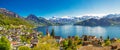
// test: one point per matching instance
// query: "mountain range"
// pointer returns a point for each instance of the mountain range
(38, 21)
(108, 20)
(71, 20)
(8, 17)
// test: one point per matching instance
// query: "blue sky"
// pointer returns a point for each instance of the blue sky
(49, 8)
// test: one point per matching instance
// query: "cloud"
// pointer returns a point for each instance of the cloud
(99, 15)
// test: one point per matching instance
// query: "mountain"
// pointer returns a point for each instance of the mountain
(111, 19)
(62, 20)
(10, 18)
(94, 22)
(33, 18)
(38, 21)
(112, 16)
(8, 13)
(71, 20)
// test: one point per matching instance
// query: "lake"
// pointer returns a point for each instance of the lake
(70, 30)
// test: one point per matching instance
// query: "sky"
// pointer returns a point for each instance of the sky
(60, 8)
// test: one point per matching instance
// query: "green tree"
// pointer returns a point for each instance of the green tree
(24, 48)
(107, 42)
(69, 48)
(65, 44)
(76, 37)
(53, 33)
(108, 38)
(46, 43)
(70, 43)
(4, 43)
(25, 39)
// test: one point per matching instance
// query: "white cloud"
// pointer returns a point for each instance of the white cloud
(99, 15)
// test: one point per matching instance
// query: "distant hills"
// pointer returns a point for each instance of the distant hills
(38, 21)
(108, 20)
(62, 20)
(71, 20)
(8, 17)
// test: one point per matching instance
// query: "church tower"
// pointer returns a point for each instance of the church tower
(47, 32)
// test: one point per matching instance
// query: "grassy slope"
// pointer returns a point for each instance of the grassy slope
(6, 20)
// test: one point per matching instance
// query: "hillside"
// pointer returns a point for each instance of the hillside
(8, 20)
(9, 13)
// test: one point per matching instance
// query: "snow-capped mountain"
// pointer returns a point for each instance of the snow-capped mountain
(74, 19)
(108, 20)
(112, 16)
(62, 20)
(70, 19)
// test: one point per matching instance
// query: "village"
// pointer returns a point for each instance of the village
(19, 37)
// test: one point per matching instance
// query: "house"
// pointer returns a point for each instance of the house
(34, 42)
(58, 39)
(113, 39)
(85, 38)
(91, 40)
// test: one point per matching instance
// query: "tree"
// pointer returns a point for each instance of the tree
(85, 38)
(69, 48)
(70, 43)
(107, 42)
(53, 33)
(101, 37)
(46, 43)
(108, 38)
(4, 43)
(25, 39)
(24, 48)
(76, 37)
(65, 44)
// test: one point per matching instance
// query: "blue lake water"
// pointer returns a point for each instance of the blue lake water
(70, 30)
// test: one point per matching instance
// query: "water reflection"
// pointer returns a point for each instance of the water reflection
(97, 31)
(69, 30)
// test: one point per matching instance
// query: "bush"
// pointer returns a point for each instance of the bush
(24, 48)
(107, 42)
(4, 43)
(47, 43)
